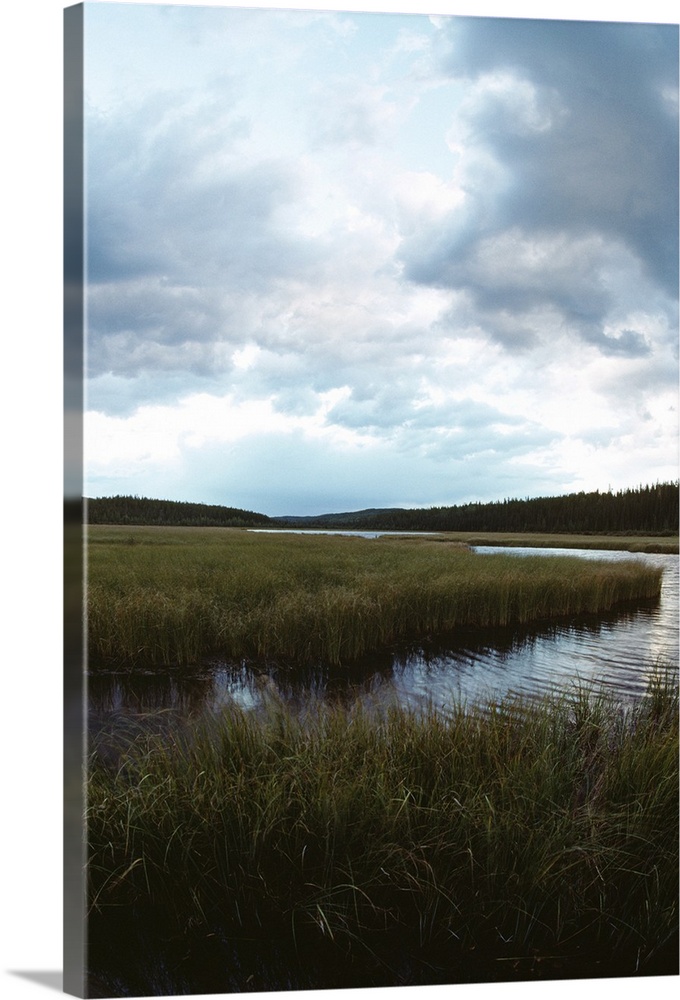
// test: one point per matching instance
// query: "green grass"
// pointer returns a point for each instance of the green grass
(528, 839)
(169, 596)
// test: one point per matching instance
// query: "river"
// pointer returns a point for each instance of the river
(618, 652)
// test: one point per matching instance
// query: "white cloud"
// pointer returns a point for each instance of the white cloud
(159, 435)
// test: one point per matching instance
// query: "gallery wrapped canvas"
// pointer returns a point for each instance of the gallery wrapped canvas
(371, 505)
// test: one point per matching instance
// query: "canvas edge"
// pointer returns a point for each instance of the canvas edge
(74, 896)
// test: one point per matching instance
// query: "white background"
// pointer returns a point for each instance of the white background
(30, 374)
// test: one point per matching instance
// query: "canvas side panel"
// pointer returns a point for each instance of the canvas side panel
(75, 957)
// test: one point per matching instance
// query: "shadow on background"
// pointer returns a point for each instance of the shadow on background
(50, 980)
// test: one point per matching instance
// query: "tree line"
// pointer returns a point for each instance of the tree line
(142, 510)
(647, 510)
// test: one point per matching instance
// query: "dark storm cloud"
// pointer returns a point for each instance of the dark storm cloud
(580, 138)
(173, 239)
(629, 343)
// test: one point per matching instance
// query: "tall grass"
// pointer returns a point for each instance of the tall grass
(525, 839)
(174, 596)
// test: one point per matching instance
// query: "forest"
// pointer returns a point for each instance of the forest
(651, 510)
(645, 510)
(142, 510)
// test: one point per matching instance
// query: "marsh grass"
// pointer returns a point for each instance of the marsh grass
(523, 839)
(176, 596)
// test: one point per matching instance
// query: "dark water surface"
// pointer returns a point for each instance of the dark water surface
(618, 651)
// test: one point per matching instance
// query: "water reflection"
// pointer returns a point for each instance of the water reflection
(618, 651)
(137, 694)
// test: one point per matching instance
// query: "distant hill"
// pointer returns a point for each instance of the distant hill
(333, 520)
(142, 510)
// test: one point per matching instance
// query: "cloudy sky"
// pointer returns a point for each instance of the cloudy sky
(343, 260)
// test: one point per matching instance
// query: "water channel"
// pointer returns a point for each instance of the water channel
(618, 651)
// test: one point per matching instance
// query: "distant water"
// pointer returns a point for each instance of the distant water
(335, 531)
(618, 651)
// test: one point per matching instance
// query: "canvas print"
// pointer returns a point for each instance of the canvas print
(372, 513)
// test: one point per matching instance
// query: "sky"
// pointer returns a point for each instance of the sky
(339, 260)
